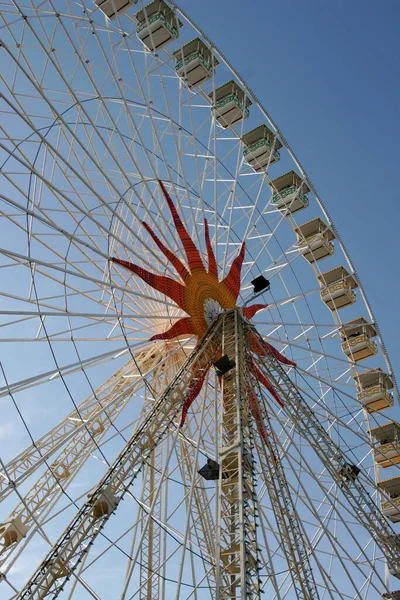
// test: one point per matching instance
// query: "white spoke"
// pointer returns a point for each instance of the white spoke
(144, 187)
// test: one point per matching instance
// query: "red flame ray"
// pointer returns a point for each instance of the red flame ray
(192, 254)
(232, 280)
(212, 263)
(262, 379)
(250, 311)
(165, 285)
(193, 392)
(255, 411)
(262, 348)
(181, 327)
(174, 260)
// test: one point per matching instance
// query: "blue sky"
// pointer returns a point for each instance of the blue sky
(328, 74)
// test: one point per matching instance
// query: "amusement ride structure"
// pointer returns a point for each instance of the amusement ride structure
(196, 401)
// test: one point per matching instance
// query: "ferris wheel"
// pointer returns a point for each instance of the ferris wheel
(196, 401)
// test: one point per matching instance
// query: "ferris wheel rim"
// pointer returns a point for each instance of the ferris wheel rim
(231, 68)
(320, 379)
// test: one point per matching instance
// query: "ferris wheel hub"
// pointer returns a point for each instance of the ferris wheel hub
(212, 309)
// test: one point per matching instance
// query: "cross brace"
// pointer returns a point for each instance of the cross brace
(366, 511)
(79, 536)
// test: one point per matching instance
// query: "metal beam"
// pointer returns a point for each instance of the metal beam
(56, 569)
(364, 508)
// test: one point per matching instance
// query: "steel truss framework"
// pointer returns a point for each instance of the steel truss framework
(238, 561)
(93, 120)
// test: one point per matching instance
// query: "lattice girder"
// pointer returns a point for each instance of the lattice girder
(87, 415)
(84, 528)
(82, 434)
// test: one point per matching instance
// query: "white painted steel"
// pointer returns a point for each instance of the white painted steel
(91, 120)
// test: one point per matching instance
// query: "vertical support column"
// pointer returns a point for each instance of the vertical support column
(236, 552)
(150, 553)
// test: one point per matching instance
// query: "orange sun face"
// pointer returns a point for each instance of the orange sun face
(204, 297)
(201, 295)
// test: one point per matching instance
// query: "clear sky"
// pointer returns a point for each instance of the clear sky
(327, 71)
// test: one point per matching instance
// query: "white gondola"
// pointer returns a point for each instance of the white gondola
(373, 390)
(230, 104)
(357, 341)
(12, 531)
(195, 63)
(261, 147)
(105, 504)
(114, 8)
(394, 568)
(387, 453)
(338, 287)
(157, 25)
(391, 507)
(289, 193)
(314, 240)
(392, 595)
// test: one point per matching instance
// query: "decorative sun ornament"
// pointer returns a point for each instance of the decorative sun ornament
(202, 296)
